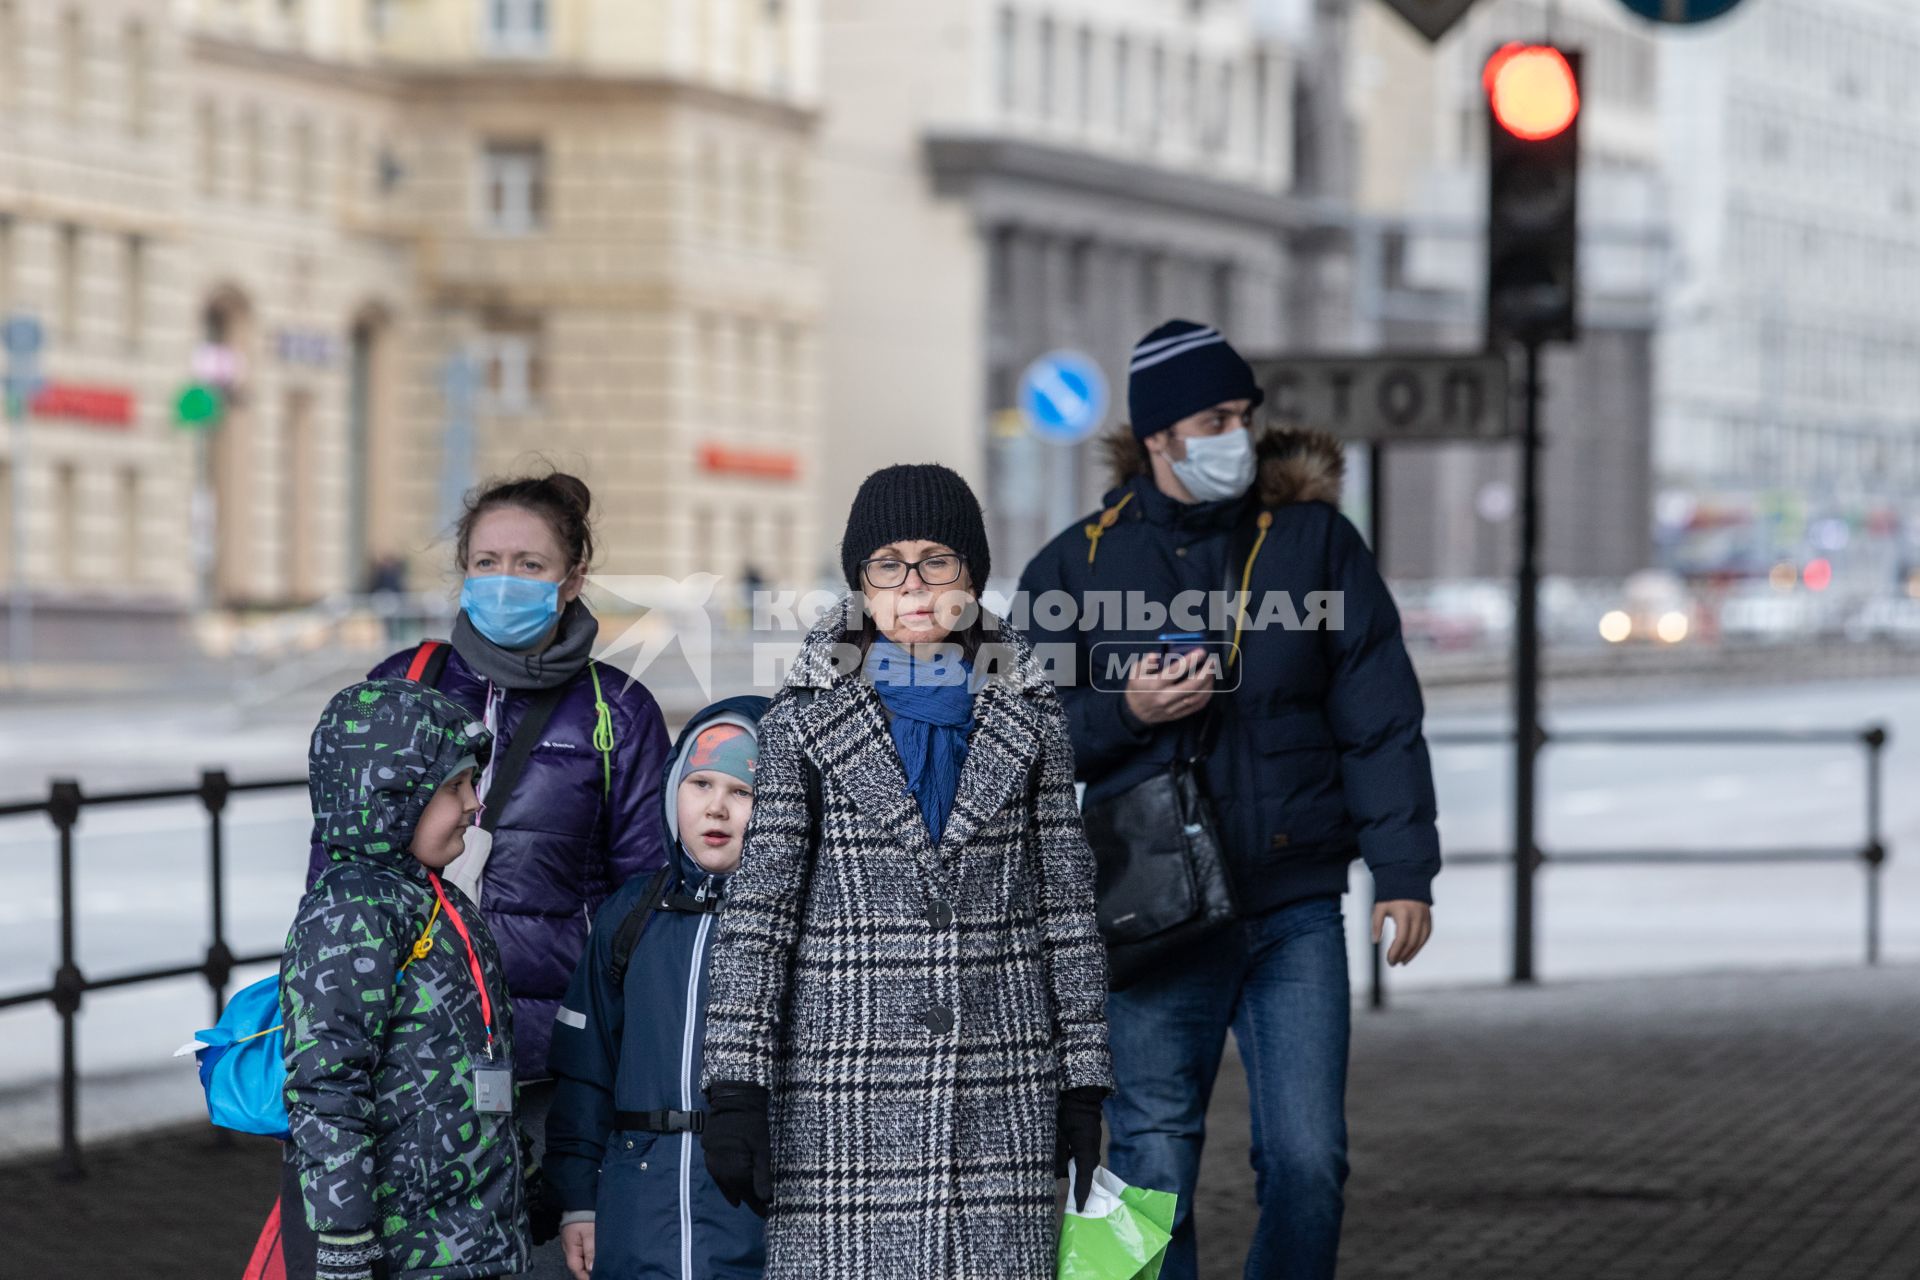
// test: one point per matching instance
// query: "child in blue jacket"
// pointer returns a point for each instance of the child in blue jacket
(623, 1137)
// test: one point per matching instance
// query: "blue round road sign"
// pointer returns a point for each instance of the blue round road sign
(1063, 396)
(1680, 11)
(20, 334)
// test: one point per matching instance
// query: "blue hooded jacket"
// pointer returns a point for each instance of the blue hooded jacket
(636, 1046)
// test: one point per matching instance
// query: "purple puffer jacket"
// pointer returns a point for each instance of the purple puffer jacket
(565, 842)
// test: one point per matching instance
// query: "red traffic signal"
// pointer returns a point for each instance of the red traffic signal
(1533, 90)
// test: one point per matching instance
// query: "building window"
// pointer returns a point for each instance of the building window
(514, 178)
(516, 28)
(73, 64)
(1122, 66)
(1083, 77)
(512, 366)
(66, 514)
(1190, 99)
(1046, 68)
(9, 51)
(1156, 94)
(794, 199)
(253, 159)
(304, 160)
(1262, 88)
(6, 263)
(1006, 69)
(1220, 127)
(752, 200)
(131, 567)
(208, 132)
(67, 284)
(712, 184)
(1220, 295)
(349, 170)
(133, 293)
(139, 72)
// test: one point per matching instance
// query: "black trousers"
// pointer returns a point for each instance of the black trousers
(298, 1244)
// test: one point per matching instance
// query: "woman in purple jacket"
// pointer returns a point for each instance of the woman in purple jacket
(583, 817)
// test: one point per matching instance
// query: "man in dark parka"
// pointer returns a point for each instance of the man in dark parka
(1316, 757)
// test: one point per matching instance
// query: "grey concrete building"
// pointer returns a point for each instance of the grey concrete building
(1040, 177)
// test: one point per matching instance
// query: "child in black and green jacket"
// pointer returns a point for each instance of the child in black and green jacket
(399, 1034)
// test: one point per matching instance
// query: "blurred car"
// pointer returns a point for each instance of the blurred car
(1654, 608)
(1766, 615)
(1890, 618)
(1454, 615)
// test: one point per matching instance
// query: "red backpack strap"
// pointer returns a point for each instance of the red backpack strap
(429, 660)
(267, 1262)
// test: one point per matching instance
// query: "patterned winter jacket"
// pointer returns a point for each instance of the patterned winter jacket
(913, 1007)
(383, 1035)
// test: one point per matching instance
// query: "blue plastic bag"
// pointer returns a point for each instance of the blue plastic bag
(242, 1063)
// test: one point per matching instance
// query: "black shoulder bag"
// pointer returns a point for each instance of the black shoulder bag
(1160, 878)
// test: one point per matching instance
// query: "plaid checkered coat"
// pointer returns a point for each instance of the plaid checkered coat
(914, 1011)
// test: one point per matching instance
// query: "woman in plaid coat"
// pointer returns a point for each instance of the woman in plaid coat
(906, 1032)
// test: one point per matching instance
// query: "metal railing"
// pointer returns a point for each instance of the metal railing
(64, 803)
(1870, 852)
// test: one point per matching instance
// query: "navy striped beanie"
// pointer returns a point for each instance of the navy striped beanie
(1180, 369)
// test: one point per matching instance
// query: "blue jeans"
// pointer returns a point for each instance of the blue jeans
(1280, 981)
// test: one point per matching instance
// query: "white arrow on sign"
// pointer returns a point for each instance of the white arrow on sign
(1431, 18)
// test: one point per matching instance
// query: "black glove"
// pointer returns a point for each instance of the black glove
(349, 1255)
(738, 1144)
(1078, 1139)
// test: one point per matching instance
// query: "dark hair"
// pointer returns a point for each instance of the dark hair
(563, 501)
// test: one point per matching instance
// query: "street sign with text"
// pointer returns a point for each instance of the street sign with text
(1431, 18)
(1408, 397)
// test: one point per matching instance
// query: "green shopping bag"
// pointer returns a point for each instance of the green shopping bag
(1122, 1234)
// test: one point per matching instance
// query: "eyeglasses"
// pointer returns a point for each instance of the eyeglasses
(935, 571)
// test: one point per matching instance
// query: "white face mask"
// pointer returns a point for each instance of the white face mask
(1217, 467)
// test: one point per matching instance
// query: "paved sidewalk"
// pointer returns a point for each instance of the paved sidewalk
(1691, 1128)
(1758, 1127)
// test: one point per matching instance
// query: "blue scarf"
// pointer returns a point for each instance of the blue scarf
(932, 706)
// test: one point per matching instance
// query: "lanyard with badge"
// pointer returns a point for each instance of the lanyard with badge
(492, 1084)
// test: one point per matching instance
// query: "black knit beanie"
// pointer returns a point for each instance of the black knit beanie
(1180, 369)
(917, 501)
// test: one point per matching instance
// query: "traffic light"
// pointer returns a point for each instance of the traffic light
(1533, 132)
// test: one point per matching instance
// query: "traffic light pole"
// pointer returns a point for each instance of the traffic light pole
(1526, 675)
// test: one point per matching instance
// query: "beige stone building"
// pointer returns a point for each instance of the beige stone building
(601, 208)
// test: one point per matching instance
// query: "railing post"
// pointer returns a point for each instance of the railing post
(63, 807)
(1875, 854)
(1376, 962)
(214, 789)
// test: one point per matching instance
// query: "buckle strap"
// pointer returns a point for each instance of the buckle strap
(662, 1121)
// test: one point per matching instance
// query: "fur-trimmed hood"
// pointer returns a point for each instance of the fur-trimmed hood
(1297, 464)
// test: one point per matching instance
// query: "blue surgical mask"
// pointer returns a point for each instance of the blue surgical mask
(511, 611)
